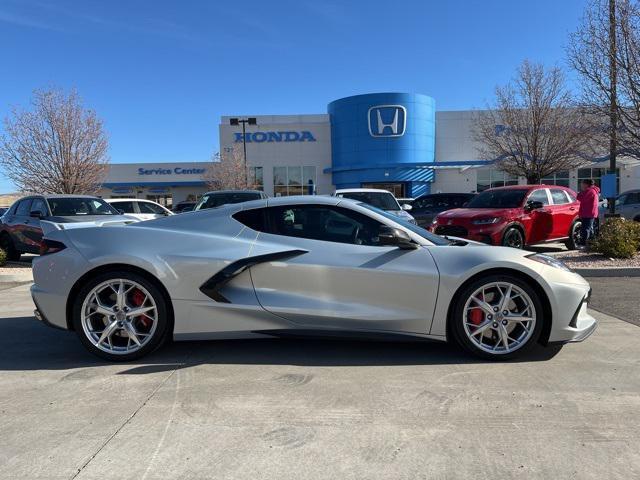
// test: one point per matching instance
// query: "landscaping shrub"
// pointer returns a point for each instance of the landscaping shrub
(3, 257)
(618, 238)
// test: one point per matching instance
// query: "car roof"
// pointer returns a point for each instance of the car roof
(215, 192)
(443, 194)
(303, 199)
(56, 195)
(110, 200)
(526, 187)
(358, 190)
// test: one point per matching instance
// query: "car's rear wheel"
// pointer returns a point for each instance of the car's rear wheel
(6, 244)
(575, 236)
(120, 316)
(497, 317)
(513, 238)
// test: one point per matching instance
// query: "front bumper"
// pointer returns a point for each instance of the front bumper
(572, 321)
(488, 234)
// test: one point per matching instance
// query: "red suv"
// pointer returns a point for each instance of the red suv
(515, 216)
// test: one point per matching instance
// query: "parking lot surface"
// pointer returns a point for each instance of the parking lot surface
(280, 409)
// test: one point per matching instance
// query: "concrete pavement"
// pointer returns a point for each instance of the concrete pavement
(279, 409)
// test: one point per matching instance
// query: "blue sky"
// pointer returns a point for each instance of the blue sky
(161, 73)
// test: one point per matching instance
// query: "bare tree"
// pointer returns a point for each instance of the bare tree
(605, 52)
(227, 171)
(56, 147)
(534, 128)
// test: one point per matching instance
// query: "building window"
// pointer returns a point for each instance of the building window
(560, 178)
(256, 178)
(490, 178)
(596, 174)
(294, 180)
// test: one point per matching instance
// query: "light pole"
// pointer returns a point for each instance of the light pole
(244, 122)
(613, 104)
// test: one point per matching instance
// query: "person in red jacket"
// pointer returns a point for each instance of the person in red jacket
(588, 198)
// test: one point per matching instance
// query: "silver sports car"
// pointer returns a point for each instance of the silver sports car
(305, 266)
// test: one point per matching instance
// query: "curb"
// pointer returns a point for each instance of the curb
(16, 278)
(608, 272)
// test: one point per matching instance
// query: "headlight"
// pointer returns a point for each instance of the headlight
(486, 221)
(548, 260)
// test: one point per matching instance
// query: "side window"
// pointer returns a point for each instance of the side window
(559, 196)
(633, 199)
(24, 207)
(150, 208)
(325, 223)
(424, 203)
(539, 195)
(254, 219)
(126, 207)
(38, 205)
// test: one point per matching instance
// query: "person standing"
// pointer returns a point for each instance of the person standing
(588, 198)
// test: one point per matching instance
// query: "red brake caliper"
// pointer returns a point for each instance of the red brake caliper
(137, 298)
(476, 316)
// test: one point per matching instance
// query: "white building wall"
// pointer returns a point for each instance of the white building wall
(284, 154)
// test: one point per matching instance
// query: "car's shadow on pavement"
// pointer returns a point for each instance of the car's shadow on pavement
(26, 344)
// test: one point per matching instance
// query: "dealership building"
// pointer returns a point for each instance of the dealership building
(394, 141)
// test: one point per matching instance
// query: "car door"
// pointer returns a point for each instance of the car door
(18, 223)
(539, 221)
(342, 278)
(563, 212)
(631, 206)
(32, 231)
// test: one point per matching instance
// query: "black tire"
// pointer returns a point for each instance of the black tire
(513, 238)
(6, 244)
(163, 321)
(575, 236)
(456, 321)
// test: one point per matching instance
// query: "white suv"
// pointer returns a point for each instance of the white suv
(382, 199)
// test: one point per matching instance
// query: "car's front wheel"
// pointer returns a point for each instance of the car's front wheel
(513, 238)
(120, 316)
(497, 317)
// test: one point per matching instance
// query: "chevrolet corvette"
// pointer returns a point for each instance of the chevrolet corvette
(303, 266)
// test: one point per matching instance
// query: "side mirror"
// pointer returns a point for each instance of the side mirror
(534, 205)
(36, 214)
(395, 237)
(120, 211)
(406, 207)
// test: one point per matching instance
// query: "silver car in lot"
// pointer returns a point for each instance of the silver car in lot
(304, 266)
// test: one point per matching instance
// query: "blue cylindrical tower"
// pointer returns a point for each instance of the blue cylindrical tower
(383, 138)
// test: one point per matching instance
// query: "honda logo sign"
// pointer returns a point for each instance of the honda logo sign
(387, 120)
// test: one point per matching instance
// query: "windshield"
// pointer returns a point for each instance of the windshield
(509, 198)
(70, 207)
(435, 239)
(212, 200)
(383, 200)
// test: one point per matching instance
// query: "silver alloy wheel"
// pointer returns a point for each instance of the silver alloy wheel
(499, 318)
(119, 316)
